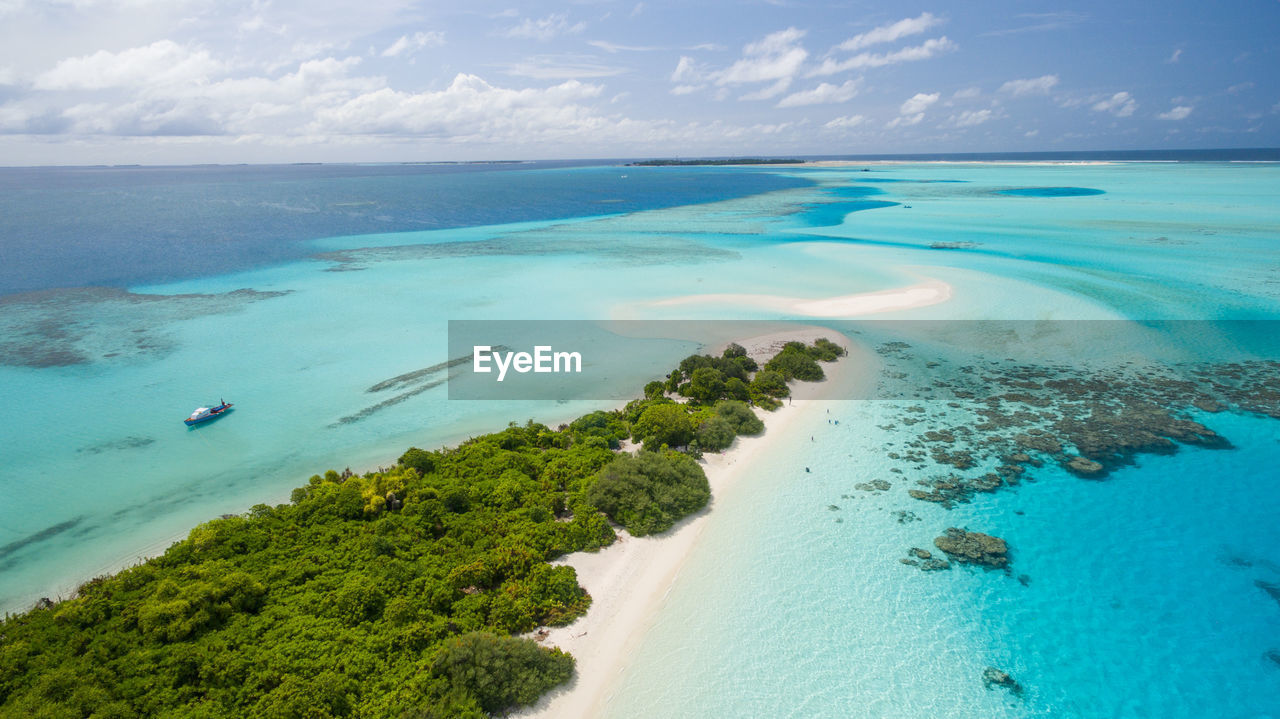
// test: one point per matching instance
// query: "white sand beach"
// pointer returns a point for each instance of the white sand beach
(629, 580)
(923, 294)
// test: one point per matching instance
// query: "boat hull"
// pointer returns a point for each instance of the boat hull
(213, 414)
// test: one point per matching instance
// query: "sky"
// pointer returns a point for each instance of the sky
(220, 81)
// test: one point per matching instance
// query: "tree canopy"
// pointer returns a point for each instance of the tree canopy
(648, 492)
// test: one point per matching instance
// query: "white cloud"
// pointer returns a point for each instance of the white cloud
(891, 32)
(412, 44)
(1177, 55)
(615, 47)
(8, 76)
(912, 111)
(686, 89)
(1120, 104)
(1043, 21)
(547, 28)
(970, 118)
(1236, 89)
(561, 67)
(924, 51)
(686, 69)
(1031, 133)
(967, 93)
(777, 59)
(918, 102)
(163, 62)
(639, 8)
(823, 94)
(469, 109)
(905, 120)
(1177, 113)
(1031, 86)
(844, 123)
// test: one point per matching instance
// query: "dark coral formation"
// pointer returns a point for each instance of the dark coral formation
(77, 326)
(924, 560)
(993, 678)
(1014, 418)
(976, 548)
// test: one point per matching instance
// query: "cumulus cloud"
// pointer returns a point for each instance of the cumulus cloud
(918, 102)
(924, 51)
(1031, 86)
(163, 62)
(469, 108)
(846, 122)
(967, 93)
(1179, 112)
(410, 44)
(1120, 104)
(547, 28)
(891, 32)
(823, 94)
(776, 59)
(912, 111)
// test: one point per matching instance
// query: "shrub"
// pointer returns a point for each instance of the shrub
(715, 434)
(794, 362)
(770, 383)
(663, 424)
(421, 460)
(735, 388)
(647, 493)
(707, 384)
(739, 417)
(500, 672)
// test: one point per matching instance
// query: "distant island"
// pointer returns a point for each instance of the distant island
(730, 161)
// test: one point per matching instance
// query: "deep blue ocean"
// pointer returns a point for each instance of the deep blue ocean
(121, 226)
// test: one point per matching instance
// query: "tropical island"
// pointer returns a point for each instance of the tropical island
(397, 592)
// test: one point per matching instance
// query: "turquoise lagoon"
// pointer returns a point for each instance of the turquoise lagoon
(1144, 594)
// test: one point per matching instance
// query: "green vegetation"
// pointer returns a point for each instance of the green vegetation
(647, 493)
(379, 595)
(395, 593)
(796, 361)
(715, 434)
(739, 417)
(660, 425)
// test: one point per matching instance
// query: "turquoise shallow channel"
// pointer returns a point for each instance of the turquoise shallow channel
(1152, 592)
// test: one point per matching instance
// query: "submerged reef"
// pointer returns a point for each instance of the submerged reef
(993, 677)
(990, 425)
(977, 548)
(80, 326)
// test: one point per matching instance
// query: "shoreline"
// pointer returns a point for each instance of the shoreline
(630, 579)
